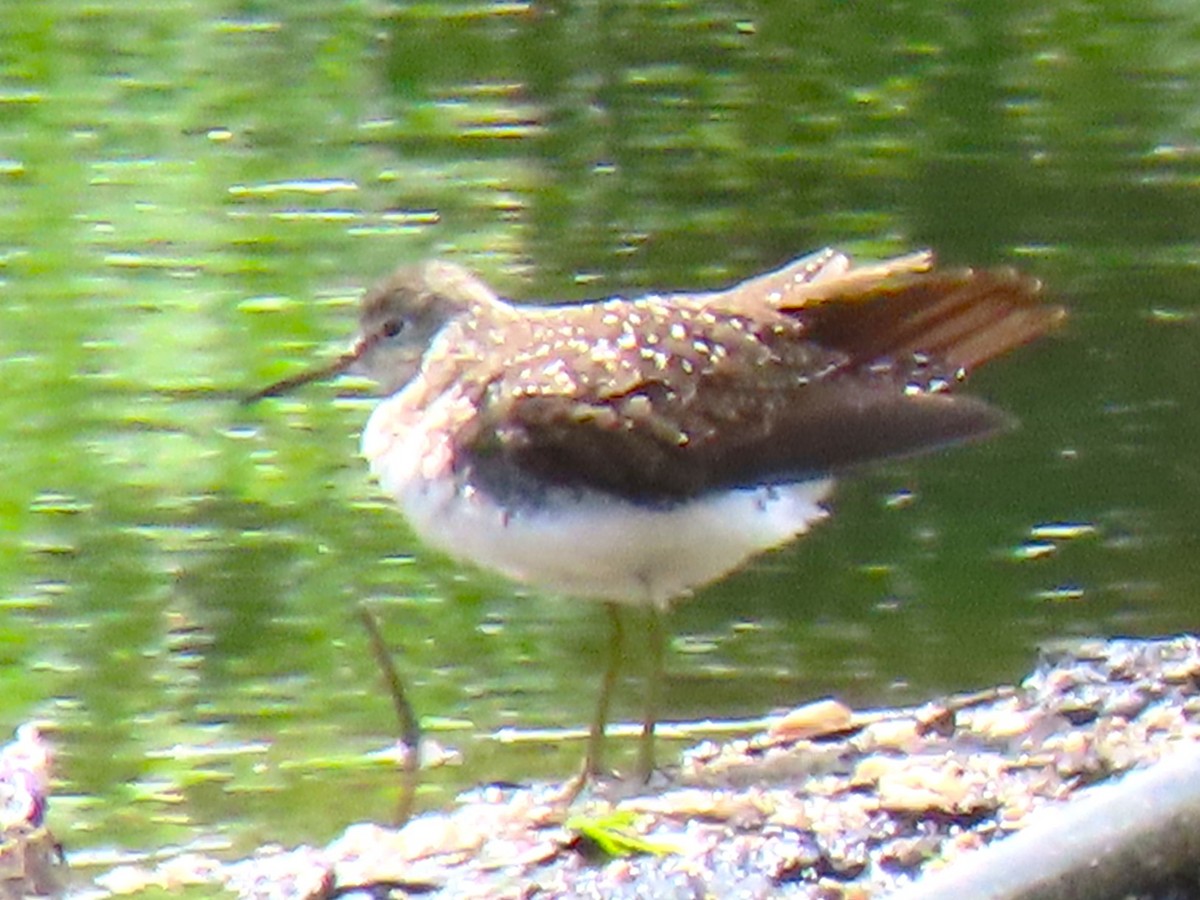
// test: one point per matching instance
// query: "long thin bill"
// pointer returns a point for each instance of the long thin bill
(339, 365)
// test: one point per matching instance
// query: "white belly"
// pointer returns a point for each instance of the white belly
(583, 544)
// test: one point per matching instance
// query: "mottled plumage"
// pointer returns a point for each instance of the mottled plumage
(630, 450)
(799, 373)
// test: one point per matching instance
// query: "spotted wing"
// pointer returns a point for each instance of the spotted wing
(844, 370)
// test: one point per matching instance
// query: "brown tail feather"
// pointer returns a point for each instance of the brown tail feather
(962, 318)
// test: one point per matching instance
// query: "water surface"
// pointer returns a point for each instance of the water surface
(191, 201)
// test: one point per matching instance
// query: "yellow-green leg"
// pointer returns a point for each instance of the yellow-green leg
(654, 680)
(594, 761)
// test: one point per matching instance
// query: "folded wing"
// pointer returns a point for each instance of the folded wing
(799, 373)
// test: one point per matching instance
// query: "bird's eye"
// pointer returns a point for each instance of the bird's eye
(392, 327)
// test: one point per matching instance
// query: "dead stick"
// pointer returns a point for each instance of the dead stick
(410, 728)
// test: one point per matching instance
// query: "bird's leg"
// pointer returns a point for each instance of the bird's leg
(594, 761)
(654, 679)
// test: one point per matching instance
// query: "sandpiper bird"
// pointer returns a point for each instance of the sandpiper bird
(631, 451)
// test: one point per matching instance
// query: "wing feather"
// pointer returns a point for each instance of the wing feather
(836, 367)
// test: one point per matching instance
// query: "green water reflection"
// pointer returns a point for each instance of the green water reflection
(191, 197)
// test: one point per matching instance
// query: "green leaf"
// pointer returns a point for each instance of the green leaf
(616, 835)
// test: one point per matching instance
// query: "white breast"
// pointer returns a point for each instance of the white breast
(582, 544)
